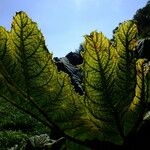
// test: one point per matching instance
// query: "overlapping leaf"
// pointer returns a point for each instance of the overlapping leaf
(135, 111)
(99, 82)
(129, 77)
(114, 84)
(34, 83)
(125, 41)
(3, 43)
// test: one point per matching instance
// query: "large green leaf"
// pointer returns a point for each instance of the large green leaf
(139, 89)
(3, 41)
(3, 45)
(129, 82)
(112, 83)
(34, 83)
(99, 82)
(136, 110)
(125, 42)
(115, 86)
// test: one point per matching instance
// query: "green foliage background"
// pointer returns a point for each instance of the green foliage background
(115, 84)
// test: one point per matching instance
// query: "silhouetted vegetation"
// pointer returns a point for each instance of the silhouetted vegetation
(95, 98)
(142, 18)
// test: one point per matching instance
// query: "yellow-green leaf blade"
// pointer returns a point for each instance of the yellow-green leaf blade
(98, 83)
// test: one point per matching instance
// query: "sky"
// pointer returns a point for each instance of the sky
(65, 22)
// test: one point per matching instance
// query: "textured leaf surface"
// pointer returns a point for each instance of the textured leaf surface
(125, 41)
(99, 81)
(3, 41)
(112, 84)
(34, 81)
(115, 86)
(136, 110)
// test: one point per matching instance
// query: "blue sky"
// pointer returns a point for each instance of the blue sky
(64, 22)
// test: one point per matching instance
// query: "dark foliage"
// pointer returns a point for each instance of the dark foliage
(142, 17)
(109, 114)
